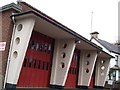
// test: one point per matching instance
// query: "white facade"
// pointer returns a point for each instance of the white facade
(119, 60)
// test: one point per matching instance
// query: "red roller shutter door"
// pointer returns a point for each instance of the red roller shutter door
(71, 81)
(37, 64)
(92, 81)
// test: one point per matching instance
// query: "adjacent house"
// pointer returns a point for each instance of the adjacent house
(114, 50)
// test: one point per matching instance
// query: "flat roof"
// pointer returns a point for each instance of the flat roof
(11, 6)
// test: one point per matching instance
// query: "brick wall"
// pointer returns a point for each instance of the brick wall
(0, 52)
(26, 7)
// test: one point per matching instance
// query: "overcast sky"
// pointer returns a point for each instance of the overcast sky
(76, 14)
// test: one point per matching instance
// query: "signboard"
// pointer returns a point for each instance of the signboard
(2, 46)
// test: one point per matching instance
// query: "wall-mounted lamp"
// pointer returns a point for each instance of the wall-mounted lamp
(78, 41)
(99, 52)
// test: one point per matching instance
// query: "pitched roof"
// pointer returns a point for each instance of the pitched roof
(109, 46)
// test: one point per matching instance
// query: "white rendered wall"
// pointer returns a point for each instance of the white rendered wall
(59, 73)
(87, 61)
(119, 60)
(21, 36)
(102, 68)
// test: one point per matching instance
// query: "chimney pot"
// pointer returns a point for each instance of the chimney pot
(94, 34)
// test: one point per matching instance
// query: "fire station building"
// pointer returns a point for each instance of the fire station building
(43, 53)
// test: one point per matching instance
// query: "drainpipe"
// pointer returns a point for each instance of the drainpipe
(11, 45)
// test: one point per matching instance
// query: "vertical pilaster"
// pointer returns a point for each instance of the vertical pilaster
(20, 39)
(118, 22)
(86, 67)
(102, 68)
(63, 52)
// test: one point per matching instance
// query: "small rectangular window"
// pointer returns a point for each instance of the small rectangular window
(45, 47)
(41, 45)
(70, 70)
(76, 57)
(39, 64)
(47, 64)
(34, 63)
(25, 62)
(43, 65)
(32, 44)
(37, 46)
(30, 62)
(29, 46)
(49, 48)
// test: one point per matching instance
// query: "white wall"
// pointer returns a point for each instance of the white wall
(18, 47)
(119, 60)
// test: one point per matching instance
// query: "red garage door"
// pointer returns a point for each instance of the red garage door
(92, 82)
(71, 81)
(37, 63)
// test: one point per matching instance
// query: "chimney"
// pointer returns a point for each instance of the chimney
(18, 1)
(94, 34)
(117, 43)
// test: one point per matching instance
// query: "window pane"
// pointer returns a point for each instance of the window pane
(43, 65)
(34, 63)
(37, 46)
(25, 62)
(41, 46)
(30, 62)
(33, 45)
(39, 64)
(45, 47)
(47, 64)
(49, 48)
